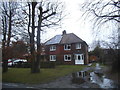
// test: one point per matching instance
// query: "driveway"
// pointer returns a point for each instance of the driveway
(66, 82)
(63, 82)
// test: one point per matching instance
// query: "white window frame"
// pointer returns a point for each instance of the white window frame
(81, 56)
(66, 46)
(52, 57)
(67, 57)
(78, 45)
(53, 48)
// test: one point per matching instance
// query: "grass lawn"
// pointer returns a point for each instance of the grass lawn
(23, 75)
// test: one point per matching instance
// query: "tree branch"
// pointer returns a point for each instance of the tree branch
(53, 13)
(102, 16)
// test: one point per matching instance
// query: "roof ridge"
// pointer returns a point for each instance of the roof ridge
(78, 37)
(66, 38)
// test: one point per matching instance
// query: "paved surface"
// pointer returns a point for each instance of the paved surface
(63, 82)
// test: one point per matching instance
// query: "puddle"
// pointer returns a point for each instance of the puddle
(78, 77)
(95, 77)
(97, 66)
(102, 81)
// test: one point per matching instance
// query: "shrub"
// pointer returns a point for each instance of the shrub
(47, 64)
(59, 63)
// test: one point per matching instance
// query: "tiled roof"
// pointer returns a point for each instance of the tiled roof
(54, 40)
(70, 38)
(64, 39)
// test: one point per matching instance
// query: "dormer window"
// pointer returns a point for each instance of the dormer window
(67, 47)
(78, 46)
(52, 48)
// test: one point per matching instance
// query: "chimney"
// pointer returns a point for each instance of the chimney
(64, 32)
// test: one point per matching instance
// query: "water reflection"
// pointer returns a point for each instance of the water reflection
(96, 76)
(102, 81)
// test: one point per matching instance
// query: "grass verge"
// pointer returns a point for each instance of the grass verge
(23, 75)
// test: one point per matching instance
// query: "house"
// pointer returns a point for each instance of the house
(67, 49)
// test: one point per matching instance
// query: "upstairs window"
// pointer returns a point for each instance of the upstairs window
(67, 47)
(67, 57)
(52, 57)
(78, 46)
(52, 48)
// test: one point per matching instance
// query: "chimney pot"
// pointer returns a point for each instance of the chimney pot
(64, 32)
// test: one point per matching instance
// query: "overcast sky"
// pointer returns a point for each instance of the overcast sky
(72, 23)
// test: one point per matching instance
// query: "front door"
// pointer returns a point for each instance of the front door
(79, 59)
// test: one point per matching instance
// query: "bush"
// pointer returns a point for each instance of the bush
(47, 64)
(115, 66)
(59, 63)
(26, 65)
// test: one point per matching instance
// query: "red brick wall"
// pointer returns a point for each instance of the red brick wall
(60, 52)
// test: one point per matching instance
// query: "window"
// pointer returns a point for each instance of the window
(52, 48)
(67, 47)
(52, 57)
(82, 56)
(78, 46)
(67, 57)
(79, 57)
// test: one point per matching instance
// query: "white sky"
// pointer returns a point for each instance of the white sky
(72, 23)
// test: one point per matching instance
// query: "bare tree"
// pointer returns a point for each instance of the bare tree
(104, 11)
(7, 14)
(48, 14)
(4, 22)
(14, 21)
(9, 11)
(10, 20)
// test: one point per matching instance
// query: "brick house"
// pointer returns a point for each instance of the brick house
(66, 49)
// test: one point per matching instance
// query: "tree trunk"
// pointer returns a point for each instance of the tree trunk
(4, 65)
(38, 56)
(37, 63)
(5, 62)
(33, 59)
(4, 21)
(9, 30)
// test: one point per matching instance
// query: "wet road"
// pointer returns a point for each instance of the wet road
(16, 85)
(64, 82)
